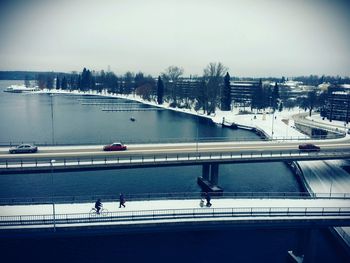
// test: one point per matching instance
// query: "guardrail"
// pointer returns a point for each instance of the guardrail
(169, 196)
(177, 214)
(318, 125)
(173, 140)
(165, 159)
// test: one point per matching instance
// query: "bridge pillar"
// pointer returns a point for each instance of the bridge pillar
(305, 247)
(210, 178)
(205, 171)
(214, 174)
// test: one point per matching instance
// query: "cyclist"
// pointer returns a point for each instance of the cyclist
(98, 206)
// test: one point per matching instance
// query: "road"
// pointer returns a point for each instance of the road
(46, 152)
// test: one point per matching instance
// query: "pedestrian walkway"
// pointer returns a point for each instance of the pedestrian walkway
(15, 210)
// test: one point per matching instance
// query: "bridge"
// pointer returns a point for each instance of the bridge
(178, 213)
(209, 155)
(173, 154)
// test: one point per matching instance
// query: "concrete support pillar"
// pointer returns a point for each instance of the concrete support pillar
(214, 174)
(305, 247)
(205, 171)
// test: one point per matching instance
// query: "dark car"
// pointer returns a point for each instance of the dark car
(24, 148)
(309, 147)
(116, 146)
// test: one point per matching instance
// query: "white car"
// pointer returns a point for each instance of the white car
(24, 148)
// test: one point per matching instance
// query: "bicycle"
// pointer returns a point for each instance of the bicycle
(103, 212)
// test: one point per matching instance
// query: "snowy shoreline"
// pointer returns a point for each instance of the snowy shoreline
(276, 125)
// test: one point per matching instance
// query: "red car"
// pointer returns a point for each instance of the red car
(116, 146)
(309, 147)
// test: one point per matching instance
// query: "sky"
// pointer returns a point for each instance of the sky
(256, 38)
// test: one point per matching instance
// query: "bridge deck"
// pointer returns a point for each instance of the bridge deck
(11, 210)
(325, 212)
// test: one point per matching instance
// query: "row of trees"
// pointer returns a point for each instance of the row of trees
(208, 92)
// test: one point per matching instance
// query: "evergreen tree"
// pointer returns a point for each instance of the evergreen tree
(41, 81)
(268, 97)
(49, 81)
(258, 97)
(139, 80)
(160, 91)
(84, 80)
(58, 83)
(226, 94)
(79, 83)
(64, 83)
(128, 86)
(275, 97)
(26, 81)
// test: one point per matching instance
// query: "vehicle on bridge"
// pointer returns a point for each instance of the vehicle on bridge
(24, 148)
(309, 147)
(116, 146)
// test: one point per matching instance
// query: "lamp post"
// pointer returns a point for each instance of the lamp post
(330, 189)
(52, 128)
(273, 115)
(197, 135)
(53, 194)
(273, 119)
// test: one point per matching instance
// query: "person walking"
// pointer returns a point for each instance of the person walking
(121, 200)
(208, 198)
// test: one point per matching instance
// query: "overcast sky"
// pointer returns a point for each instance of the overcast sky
(251, 37)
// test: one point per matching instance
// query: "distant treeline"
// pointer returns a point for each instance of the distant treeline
(208, 92)
(307, 80)
(22, 75)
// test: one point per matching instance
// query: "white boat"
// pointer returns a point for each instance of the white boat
(20, 89)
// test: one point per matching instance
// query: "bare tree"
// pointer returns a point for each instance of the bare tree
(172, 73)
(214, 79)
(171, 76)
(215, 70)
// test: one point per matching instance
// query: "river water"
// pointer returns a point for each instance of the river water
(27, 118)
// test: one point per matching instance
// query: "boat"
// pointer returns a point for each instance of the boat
(132, 119)
(20, 89)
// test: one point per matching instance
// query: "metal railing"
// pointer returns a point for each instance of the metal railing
(343, 234)
(170, 196)
(181, 158)
(172, 140)
(287, 213)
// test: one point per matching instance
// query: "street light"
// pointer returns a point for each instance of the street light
(273, 116)
(52, 128)
(53, 194)
(197, 135)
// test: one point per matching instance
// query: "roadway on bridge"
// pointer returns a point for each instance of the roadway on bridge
(46, 152)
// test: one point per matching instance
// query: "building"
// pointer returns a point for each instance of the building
(242, 92)
(338, 104)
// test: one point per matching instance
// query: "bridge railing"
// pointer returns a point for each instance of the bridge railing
(170, 196)
(172, 140)
(195, 157)
(175, 214)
